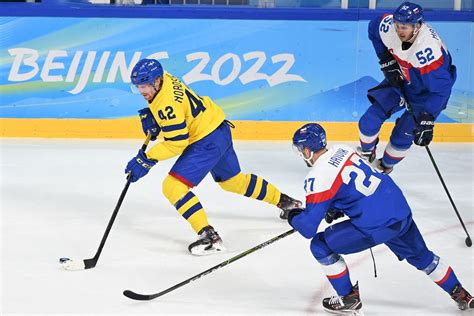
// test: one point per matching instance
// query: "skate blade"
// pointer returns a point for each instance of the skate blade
(358, 312)
(204, 250)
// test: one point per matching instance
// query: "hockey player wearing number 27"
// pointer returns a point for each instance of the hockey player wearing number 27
(419, 75)
(341, 183)
(194, 128)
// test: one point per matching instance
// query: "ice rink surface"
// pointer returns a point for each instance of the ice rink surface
(57, 197)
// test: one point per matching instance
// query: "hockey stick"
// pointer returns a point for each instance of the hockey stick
(70, 264)
(148, 297)
(468, 240)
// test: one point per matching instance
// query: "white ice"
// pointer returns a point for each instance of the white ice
(57, 197)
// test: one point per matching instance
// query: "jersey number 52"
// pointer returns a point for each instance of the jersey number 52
(425, 56)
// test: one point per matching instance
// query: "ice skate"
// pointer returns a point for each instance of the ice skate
(286, 204)
(462, 298)
(378, 164)
(367, 155)
(209, 242)
(349, 304)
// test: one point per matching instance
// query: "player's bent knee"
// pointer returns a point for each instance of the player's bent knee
(236, 184)
(319, 248)
(173, 189)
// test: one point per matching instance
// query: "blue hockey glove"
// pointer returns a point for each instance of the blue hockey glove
(332, 215)
(423, 132)
(391, 70)
(292, 213)
(139, 166)
(149, 123)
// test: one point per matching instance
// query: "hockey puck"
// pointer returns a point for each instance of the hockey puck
(62, 260)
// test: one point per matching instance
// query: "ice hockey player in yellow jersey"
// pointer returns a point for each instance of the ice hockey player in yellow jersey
(195, 129)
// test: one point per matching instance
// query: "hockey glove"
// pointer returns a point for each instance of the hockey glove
(139, 166)
(149, 123)
(391, 71)
(292, 213)
(424, 129)
(332, 215)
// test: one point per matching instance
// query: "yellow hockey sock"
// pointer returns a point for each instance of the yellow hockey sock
(186, 202)
(252, 186)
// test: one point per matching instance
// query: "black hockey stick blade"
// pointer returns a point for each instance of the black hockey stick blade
(468, 241)
(148, 297)
(138, 297)
(90, 263)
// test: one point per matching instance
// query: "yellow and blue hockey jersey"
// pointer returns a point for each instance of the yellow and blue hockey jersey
(184, 117)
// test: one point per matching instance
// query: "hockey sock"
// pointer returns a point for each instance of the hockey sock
(191, 209)
(393, 155)
(368, 143)
(369, 127)
(442, 274)
(186, 203)
(252, 186)
(337, 273)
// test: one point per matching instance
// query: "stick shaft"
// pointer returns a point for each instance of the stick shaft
(145, 297)
(446, 190)
(90, 263)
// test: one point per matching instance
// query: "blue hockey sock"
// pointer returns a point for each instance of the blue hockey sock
(368, 147)
(369, 127)
(442, 274)
(337, 273)
(449, 281)
(393, 155)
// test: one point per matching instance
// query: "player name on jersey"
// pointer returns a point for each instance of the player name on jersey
(338, 157)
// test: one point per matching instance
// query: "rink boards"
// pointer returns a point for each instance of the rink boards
(245, 130)
(65, 72)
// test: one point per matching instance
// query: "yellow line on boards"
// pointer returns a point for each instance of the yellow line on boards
(245, 130)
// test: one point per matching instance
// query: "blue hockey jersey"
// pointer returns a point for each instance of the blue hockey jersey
(426, 65)
(340, 179)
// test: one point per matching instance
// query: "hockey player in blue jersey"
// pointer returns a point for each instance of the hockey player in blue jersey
(419, 75)
(341, 183)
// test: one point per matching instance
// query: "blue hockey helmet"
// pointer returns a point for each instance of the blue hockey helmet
(146, 71)
(311, 136)
(408, 13)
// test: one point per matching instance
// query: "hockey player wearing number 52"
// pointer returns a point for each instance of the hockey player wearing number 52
(341, 183)
(194, 128)
(419, 75)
